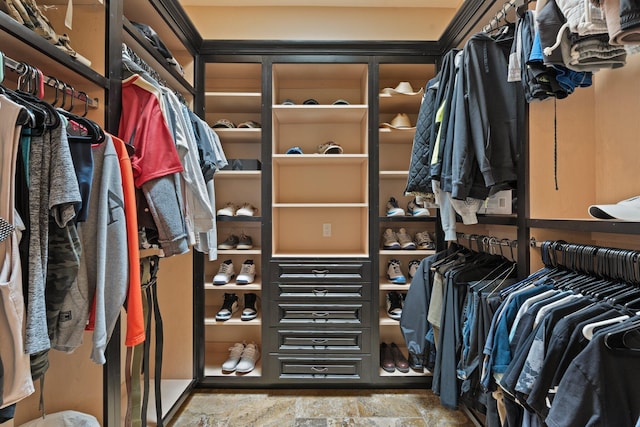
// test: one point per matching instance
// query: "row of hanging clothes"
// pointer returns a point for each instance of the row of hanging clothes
(432, 317)
(176, 156)
(557, 348)
(468, 131)
(46, 153)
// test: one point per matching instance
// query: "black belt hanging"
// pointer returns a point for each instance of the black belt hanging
(149, 270)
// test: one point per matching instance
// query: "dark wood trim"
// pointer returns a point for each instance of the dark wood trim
(162, 62)
(176, 17)
(290, 48)
(465, 20)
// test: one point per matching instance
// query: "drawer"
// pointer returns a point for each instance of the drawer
(314, 341)
(324, 291)
(318, 314)
(320, 271)
(320, 367)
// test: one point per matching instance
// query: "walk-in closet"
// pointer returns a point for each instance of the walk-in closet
(310, 198)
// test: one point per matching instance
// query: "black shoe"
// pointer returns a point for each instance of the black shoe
(250, 310)
(415, 362)
(394, 305)
(229, 306)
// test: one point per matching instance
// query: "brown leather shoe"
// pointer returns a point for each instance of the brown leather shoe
(401, 362)
(386, 358)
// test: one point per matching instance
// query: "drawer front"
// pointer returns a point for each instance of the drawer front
(320, 271)
(320, 314)
(323, 291)
(317, 342)
(320, 367)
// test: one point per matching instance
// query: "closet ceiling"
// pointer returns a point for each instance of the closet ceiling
(321, 19)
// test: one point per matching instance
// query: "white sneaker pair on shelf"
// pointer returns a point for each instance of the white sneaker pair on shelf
(242, 358)
(246, 209)
(226, 272)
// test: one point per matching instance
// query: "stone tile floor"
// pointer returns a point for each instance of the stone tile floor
(316, 408)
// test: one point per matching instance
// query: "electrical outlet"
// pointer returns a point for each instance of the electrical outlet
(326, 230)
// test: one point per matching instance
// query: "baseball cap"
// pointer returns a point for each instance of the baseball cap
(294, 150)
(625, 210)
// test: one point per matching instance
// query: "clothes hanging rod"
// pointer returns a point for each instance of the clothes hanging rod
(500, 15)
(18, 67)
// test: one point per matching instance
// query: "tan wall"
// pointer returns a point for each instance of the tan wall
(319, 23)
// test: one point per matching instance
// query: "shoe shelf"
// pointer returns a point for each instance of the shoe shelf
(210, 318)
(256, 285)
(411, 373)
(399, 103)
(385, 320)
(307, 114)
(394, 174)
(231, 174)
(407, 218)
(225, 252)
(215, 356)
(396, 136)
(239, 218)
(241, 135)
(418, 252)
(385, 285)
(240, 102)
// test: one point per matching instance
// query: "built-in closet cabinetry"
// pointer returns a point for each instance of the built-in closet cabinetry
(98, 30)
(317, 233)
(319, 294)
(233, 92)
(394, 156)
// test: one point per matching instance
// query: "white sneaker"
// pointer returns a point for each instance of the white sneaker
(228, 210)
(229, 306)
(235, 353)
(393, 209)
(247, 273)
(248, 360)
(246, 210)
(225, 273)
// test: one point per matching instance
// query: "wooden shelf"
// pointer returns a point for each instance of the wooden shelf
(239, 218)
(144, 49)
(385, 320)
(385, 285)
(417, 252)
(236, 102)
(225, 252)
(231, 174)
(407, 218)
(396, 136)
(587, 225)
(399, 103)
(232, 286)
(324, 160)
(319, 113)
(217, 353)
(320, 205)
(411, 373)
(329, 254)
(239, 135)
(394, 174)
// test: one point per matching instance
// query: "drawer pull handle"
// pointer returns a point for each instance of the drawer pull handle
(319, 340)
(320, 272)
(320, 292)
(319, 369)
(320, 314)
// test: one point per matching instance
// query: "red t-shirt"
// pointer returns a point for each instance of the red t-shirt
(143, 125)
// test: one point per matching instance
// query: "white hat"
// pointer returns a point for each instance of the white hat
(403, 88)
(625, 210)
(400, 121)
